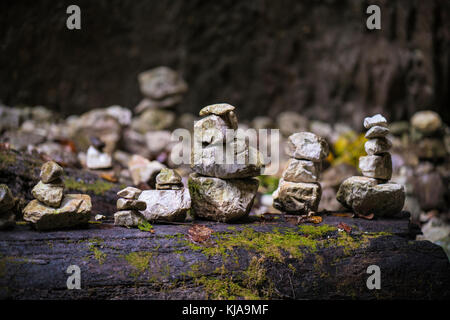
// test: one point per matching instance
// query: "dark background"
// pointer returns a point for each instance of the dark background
(263, 56)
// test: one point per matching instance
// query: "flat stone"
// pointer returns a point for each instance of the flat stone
(376, 120)
(426, 122)
(50, 194)
(7, 201)
(242, 161)
(302, 171)
(165, 205)
(168, 176)
(212, 130)
(128, 218)
(364, 196)
(161, 82)
(169, 186)
(377, 146)
(143, 170)
(376, 166)
(307, 146)
(129, 193)
(75, 210)
(97, 160)
(128, 204)
(218, 109)
(377, 132)
(51, 171)
(221, 200)
(297, 197)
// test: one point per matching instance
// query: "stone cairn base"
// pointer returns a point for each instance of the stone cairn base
(372, 193)
(299, 191)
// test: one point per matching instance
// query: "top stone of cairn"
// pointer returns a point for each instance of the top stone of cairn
(168, 176)
(307, 146)
(218, 109)
(161, 82)
(50, 171)
(376, 120)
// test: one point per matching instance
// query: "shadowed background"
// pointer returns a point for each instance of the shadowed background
(315, 57)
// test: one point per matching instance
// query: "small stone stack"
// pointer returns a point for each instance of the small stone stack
(52, 209)
(299, 190)
(129, 207)
(96, 158)
(7, 203)
(222, 187)
(372, 193)
(169, 202)
(428, 133)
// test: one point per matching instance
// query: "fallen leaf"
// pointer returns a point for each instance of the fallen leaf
(368, 217)
(108, 177)
(345, 214)
(315, 219)
(344, 227)
(199, 233)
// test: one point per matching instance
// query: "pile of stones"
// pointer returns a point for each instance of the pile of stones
(372, 193)
(51, 209)
(222, 187)
(428, 135)
(129, 207)
(299, 191)
(96, 157)
(7, 203)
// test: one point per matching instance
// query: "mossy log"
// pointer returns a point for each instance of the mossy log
(20, 172)
(256, 259)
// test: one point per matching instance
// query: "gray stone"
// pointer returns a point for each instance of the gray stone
(165, 205)
(217, 109)
(168, 179)
(143, 170)
(221, 200)
(212, 129)
(129, 193)
(7, 201)
(161, 82)
(50, 194)
(129, 204)
(377, 132)
(75, 210)
(128, 218)
(376, 120)
(51, 171)
(158, 141)
(291, 122)
(426, 122)
(297, 197)
(121, 114)
(376, 166)
(302, 171)
(377, 146)
(167, 102)
(153, 120)
(97, 160)
(307, 146)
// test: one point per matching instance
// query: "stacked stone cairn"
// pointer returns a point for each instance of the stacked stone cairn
(129, 207)
(372, 193)
(7, 204)
(96, 158)
(299, 190)
(51, 209)
(221, 187)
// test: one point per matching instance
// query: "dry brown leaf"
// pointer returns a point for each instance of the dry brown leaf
(315, 219)
(108, 177)
(199, 233)
(343, 214)
(344, 227)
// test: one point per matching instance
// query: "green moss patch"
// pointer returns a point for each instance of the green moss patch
(98, 187)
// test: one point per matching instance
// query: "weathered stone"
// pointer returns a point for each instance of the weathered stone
(121, 114)
(165, 205)
(129, 204)
(20, 140)
(376, 166)
(128, 218)
(364, 196)
(377, 146)
(221, 200)
(74, 211)
(161, 82)
(376, 120)
(51, 171)
(431, 190)
(377, 132)
(153, 120)
(218, 109)
(426, 122)
(97, 160)
(169, 186)
(7, 201)
(147, 103)
(129, 193)
(158, 141)
(143, 170)
(297, 197)
(307, 146)
(233, 160)
(212, 130)
(51, 194)
(302, 171)
(168, 176)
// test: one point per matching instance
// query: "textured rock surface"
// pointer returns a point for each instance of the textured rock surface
(376, 120)
(217, 109)
(128, 218)
(165, 205)
(376, 166)
(49, 194)
(128, 204)
(50, 171)
(302, 171)
(212, 129)
(426, 122)
(97, 160)
(297, 198)
(377, 146)
(364, 196)
(307, 145)
(143, 170)
(129, 193)
(221, 200)
(74, 211)
(377, 132)
(161, 82)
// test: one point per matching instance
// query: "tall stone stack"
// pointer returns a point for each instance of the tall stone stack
(372, 193)
(52, 209)
(129, 207)
(299, 190)
(222, 187)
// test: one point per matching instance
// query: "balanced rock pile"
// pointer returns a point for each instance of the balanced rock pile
(7, 203)
(372, 193)
(129, 207)
(428, 135)
(222, 187)
(96, 158)
(299, 191)
(52, 209)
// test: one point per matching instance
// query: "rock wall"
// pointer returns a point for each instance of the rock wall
(315, 57)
